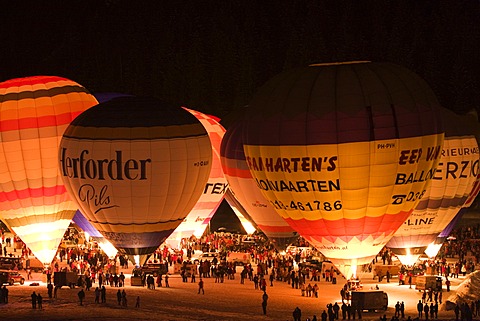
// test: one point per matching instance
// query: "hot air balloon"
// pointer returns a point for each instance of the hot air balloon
(244, 189)
(92, 232)
(34, 113)
(197, 220)
(136, 166)
(344, 152)
(451, 186)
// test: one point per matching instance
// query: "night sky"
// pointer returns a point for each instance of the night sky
(213, 55)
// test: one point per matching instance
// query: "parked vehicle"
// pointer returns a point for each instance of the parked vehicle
(34, 264)
(11, 277)
(425, 282)
(10, 263)
(239, 258)
(371, 300)
(206, 256)
(155, 269)
(64, 278)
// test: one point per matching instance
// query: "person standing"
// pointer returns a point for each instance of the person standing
(103, 294)
(81, 296)
(426, 309)
(5, 294)
(297, 314)
(119, 297)
(39, 301)
(200, 286)
(97, 295)
(264, 302)
(420, 308)
(402, 310)
(50, 290)
(34, 300)
(137, 304)
(166, 280)
(124, 298)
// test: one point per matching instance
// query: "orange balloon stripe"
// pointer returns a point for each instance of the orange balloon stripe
(32, 192)
(236, 172)
(275, 229)
(31, 81)
(346, 229)
(46, 121)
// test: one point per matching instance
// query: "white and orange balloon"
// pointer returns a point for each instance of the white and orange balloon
(34, 113)
(197, 220)
(136, 167)
(344, 152)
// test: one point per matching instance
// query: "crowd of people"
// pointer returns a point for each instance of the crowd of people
(269, 267)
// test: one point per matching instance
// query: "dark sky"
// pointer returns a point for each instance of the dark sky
(213, 55)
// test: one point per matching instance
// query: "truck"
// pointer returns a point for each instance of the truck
(370, 300)
(425, 282)
(65, 278)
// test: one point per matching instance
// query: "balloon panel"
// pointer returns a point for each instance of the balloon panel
(344, 152)
(35, 111)
(85, 225)
(137, 174)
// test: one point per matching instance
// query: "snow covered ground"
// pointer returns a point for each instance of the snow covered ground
(222, 301)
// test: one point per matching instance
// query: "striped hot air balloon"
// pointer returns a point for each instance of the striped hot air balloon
(34, 113)
(344, 152)
(451, 186)
(136, 167)
(244, 189)
(197, 220)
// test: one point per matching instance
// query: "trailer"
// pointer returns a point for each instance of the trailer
(371, 300)
(64, 278)
(425, 282)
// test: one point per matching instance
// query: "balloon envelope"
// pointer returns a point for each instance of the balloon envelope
(136, 167)
(452, 184)
(34, 113)
(197, 220)
(344, 151)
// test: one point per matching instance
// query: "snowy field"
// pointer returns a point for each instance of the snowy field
(222, 301)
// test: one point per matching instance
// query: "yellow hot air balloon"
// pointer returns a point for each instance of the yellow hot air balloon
(34, 113)
(344, 151)
(136, 167)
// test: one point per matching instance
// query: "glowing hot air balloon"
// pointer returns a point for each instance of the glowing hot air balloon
(244, 189)
(197, 220)
(136, 167)
(451, 186)
(344, 152)
(34, 113)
